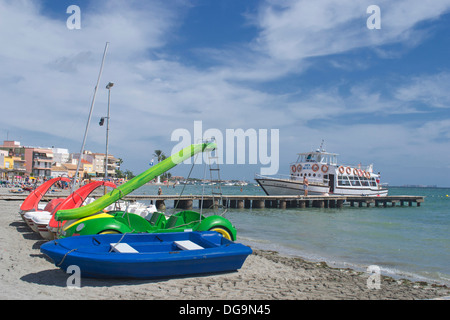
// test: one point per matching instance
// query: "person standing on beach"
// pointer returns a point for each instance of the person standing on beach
(305, 185)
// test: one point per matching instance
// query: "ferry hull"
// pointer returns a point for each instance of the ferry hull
(361, 192)
(280, 187)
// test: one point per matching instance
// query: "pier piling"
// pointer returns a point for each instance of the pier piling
(258, 204)
(160, 205)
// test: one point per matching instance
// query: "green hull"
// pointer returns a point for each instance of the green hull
(123, 222)
(135, 183)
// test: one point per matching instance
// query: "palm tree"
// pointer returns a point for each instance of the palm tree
(160, 156)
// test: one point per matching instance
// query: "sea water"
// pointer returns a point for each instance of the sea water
(405, 242)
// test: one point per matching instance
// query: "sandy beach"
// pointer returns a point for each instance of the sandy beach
(27, 274)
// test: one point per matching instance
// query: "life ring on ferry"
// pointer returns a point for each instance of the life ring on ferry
(355, 171)
(348, 170)
(324, 168)
(299, 167)
(293, 168)
(315, 167)
(341, 169)
(367, 174)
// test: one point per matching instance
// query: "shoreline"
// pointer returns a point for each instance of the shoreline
(265, 275)
(396, 275)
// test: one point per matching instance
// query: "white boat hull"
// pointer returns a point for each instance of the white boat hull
(28, 217)
(41, 223)
(278, 187)
(281, 187)
(360, 192)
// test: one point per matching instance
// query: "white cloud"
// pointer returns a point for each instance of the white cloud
(293, 30)
(50, 70)
(432, 90)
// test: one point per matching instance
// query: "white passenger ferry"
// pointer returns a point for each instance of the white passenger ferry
(325, 177)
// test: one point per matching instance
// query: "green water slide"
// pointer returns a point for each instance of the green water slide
(135, 183)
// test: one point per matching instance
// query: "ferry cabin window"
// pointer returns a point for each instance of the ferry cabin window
(364, 181)
(355, 181)
(346, 181)
(312, 158)
(373, 183)
(343, 180)
(325, 159)
(333, 160)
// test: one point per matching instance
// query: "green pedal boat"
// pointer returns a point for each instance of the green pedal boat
(91, 219)
(125, 222)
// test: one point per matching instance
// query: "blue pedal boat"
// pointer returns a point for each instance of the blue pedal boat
(147, 255)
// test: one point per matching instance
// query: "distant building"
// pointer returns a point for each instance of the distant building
(71, 169)
(12, 160)
(61, 155)
(113, 163)
(4, 165)
(58, 170)
(87, 168)
(98, 162)
(22, 161)
(39, 161)
(29, 161)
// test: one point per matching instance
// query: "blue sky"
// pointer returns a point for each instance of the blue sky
(311, 69)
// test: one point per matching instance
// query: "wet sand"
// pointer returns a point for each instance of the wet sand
(28, 274)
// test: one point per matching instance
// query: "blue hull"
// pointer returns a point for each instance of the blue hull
(157, 255)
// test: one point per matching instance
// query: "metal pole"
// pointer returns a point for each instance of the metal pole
(107, 133)
(108, 86)
(89, 120)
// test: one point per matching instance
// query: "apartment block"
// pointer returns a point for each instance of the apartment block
(18, 160)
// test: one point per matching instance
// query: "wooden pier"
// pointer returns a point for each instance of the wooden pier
(281, 202)
(256, 201)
